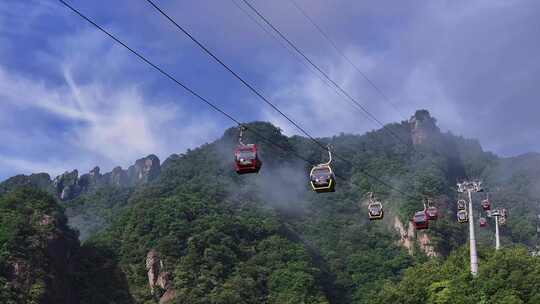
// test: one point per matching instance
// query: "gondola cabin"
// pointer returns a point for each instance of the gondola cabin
(502, 218)
(375, 211)
(420, 220)
(461, 204)
(462, 216)
(432, 213)
(322, 179)
(485, 205)
(482, 221)
(246, 159)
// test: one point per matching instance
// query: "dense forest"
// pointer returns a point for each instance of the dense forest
(190, 230)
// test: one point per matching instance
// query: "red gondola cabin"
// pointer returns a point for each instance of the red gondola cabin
(420, 220)
(246, 159)
(482, 221)
(486, 205)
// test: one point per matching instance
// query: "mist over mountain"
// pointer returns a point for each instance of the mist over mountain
(190, 230)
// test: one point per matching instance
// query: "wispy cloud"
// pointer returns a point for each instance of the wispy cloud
(323, 108)
(93, 119)
(69, 97)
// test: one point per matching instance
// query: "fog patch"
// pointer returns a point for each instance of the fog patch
(284, 187)
(85, 224)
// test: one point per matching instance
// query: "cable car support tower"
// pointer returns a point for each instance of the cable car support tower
(469, 187)
(500, 219)
(497, 239)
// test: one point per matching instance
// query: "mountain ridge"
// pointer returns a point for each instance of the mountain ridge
(198, 233)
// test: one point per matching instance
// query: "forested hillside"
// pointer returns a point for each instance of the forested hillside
(190, 230)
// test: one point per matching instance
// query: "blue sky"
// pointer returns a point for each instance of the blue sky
(71, 98)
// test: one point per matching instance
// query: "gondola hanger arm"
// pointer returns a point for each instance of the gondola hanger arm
(242, 128)
(329, 149)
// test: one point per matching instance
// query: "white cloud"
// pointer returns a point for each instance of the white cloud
(116, 124)
(321, 110)
(100, 119)
(427, 56)
(423, 90)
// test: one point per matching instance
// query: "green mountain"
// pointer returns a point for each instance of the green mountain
(190, 230)
(41, 260)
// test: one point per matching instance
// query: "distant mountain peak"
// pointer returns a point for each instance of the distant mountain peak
(423, 126)
(69, 185)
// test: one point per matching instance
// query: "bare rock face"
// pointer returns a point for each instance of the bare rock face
(168, 296)
(70, 185)
(424, 242)
(153, 266)
(52, 245)
(407, 238)
(118, 177)
(423, 126)
(66, 185)
(90, 179)
(158, 278)
(145, 170)
(406, 235)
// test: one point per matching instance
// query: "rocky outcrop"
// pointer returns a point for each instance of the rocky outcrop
(40, 181)
(43, 261)
(406, 235)
(145, 170)
(91, 179)
(159, 279)
(39, 251)
(118, 177)
(409, 237)
(69, 185)
(424, 242)
(423, 127)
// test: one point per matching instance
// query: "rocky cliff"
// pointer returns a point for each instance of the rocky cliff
(159, 279)
(423, 127)
(409, 237)
(42, 261)
(36, 261)
(70, 185)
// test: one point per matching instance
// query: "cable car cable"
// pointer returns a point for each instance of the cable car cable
(342, 54)
(192, 92)
(262, 97)
(305, 64)
(337, 49)
(141, 57)
(351, 98)
(185, 87)
(236, 75)
(292, 45)
(289, 42)
(324, 73)
(288, 49)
